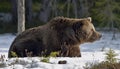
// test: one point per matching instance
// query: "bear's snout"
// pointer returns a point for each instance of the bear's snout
(95, 36)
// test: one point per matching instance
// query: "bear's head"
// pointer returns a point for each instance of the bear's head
(75, 31)
(85, 31)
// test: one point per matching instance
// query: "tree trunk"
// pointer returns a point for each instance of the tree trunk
(45, 10)
(68, 8)
(21, 16)
(54, 8)
(81, 9)
(87, 8)
(28, 12)
(75, 7)
(14, 11)
(110, 16)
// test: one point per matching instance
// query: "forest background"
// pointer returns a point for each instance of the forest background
(105, 13)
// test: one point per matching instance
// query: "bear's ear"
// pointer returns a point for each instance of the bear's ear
(89, 19)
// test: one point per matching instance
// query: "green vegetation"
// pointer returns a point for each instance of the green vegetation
(103, 65)
(13, 54)
(44, 58)
(47, 58)
(105, 13)
(5, 6)
(36, 6)
(111, 57)
(109, 63)
(53, 54)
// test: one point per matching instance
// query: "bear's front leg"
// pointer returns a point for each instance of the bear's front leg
(74, 51)
(70, 51)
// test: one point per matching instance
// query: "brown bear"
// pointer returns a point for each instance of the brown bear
(61, 34)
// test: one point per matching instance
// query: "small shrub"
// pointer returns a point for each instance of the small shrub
(53, 54)
(109, 63)
(104, 65)
(47, 58)
(110, 58)
(2, 59)
(14, 54)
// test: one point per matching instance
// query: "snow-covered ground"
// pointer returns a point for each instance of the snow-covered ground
(91, 53)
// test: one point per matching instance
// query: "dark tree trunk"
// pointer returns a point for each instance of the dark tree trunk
(75, 8)
(45, 10)
(81, 9)
(28, 12)
(14, 11)
(68, 8)
(54, 8)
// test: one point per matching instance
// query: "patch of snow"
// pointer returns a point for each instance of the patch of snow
(91, 53)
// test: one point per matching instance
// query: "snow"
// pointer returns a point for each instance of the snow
(91, 53)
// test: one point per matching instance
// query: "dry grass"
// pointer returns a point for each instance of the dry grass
(105, 65)
(109, 63)
(2, 59)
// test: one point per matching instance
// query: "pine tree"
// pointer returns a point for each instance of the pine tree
(106, 13)
(110, 58)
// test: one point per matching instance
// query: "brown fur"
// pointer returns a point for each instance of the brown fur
(63, 35)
